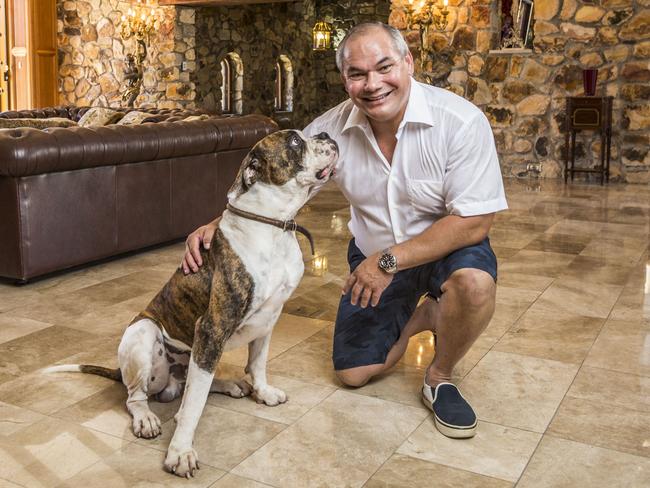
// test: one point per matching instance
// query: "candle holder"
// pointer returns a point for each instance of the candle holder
(425, 14)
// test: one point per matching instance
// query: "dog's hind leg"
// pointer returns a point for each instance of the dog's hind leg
(258, 352)
(140, 342)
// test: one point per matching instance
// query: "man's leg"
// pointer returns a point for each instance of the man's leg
(464, 310)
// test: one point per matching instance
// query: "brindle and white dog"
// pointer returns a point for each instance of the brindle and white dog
(235, 298)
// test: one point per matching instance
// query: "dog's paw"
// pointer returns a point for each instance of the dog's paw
(270, 396)
(181, 463)
(146, 425)
(235, 389)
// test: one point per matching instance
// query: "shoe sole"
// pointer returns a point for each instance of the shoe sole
(449, 430)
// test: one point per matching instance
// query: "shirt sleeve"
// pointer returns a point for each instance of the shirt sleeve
(473, 184)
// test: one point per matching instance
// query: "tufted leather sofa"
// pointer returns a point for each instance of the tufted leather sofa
(69, 196)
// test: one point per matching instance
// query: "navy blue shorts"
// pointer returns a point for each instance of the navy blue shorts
(364, 336)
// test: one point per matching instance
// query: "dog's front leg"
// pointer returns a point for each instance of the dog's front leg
(209, 339)
(258, 352)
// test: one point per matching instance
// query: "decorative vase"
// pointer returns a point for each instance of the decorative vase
(589, 77)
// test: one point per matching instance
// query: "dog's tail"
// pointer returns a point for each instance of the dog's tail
(113, 374)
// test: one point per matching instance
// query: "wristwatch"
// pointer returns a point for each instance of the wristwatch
(387, 262)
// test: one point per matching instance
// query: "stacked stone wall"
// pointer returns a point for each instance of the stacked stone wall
(259, 35)
(92, 56)
(523, 94)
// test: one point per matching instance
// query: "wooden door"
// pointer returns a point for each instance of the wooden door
(31, 32)
(4, 60)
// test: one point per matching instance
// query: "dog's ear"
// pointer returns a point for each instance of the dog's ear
(247, 176)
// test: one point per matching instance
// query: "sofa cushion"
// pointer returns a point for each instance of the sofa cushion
(99, 116)
(134, 117)
(36, 123)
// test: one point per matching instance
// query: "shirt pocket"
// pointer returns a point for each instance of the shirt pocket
(426, 196)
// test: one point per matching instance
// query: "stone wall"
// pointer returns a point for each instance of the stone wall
(259, 35)
(92, 56)
(523, 95)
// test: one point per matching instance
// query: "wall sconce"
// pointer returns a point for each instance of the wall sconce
(425, 14)
(141, 20)
(321, 36)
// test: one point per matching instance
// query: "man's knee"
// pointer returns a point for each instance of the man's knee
(474, 288)
(356, 377)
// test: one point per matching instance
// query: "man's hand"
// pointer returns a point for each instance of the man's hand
(367, 282)
(200, 237)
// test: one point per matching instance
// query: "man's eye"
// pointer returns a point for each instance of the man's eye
(356, 76)
(385, 69)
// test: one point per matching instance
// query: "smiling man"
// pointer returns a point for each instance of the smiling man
(419, 167)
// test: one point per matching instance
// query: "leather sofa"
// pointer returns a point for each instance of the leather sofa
(70, 196)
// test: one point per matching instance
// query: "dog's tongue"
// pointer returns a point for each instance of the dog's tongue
(324, 172)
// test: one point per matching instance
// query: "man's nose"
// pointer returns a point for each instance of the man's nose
(372, 81)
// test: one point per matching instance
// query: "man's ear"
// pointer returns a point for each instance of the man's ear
(409, 62)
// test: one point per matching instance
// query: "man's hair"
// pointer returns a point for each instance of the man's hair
(398, 41)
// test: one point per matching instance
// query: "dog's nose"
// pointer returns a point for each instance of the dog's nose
(323, 135)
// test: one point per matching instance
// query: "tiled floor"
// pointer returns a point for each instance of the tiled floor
(560, 380)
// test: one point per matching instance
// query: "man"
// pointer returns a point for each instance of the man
(420, 170)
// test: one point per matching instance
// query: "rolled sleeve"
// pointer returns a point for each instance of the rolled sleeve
(473, 184)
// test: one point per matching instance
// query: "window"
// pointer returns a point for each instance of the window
(283, 85)
(232, 81)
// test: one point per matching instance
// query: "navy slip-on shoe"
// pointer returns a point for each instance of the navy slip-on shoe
(452, 414)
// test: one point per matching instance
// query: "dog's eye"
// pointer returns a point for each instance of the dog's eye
(294, 141)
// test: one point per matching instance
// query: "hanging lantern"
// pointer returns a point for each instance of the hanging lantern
(321, 36)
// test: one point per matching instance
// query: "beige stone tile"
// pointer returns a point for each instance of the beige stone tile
(135, 465)
(527, 282)
(555, 335)
(8, 484)
(566, 464)
(104, 321)
(13, 296)
(41, 348)
(106, 412)
(223, 438)
(612, 388)
(309, 361)
(595, 270)
(402, 384)
(342, 442)
(503, 253)
(562, 243)
(13, 419)
(14, 327)
(634, 302)
(616, 250)
(289, 331)
(579, 297)
(320, 303)
(234, 481)
(495, 451)
(47, 393)
(517, 391)
(597, 423)
(511, 238)
(622, 346)
(538, 263)
(420, 351)
(403, 471)
(51, 451)
(576, 227)
(301, 398)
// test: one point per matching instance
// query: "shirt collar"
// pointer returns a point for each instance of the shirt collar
(416, 111)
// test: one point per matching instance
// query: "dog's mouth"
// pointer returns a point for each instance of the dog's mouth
(326, 173)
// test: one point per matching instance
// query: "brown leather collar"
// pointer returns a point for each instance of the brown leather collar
(285, 225)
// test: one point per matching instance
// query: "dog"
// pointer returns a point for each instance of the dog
(236, 297)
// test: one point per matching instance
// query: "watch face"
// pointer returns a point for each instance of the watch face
(387, 262)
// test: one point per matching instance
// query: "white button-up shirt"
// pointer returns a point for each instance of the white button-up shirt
(445, 162)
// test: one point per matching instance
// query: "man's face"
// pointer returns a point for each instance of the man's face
(376, 76)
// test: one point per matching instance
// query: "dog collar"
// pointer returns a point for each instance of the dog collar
(285, 225)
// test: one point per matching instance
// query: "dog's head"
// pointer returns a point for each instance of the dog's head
(284, 156)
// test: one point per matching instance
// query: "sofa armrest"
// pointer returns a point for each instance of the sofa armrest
(25, 152)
